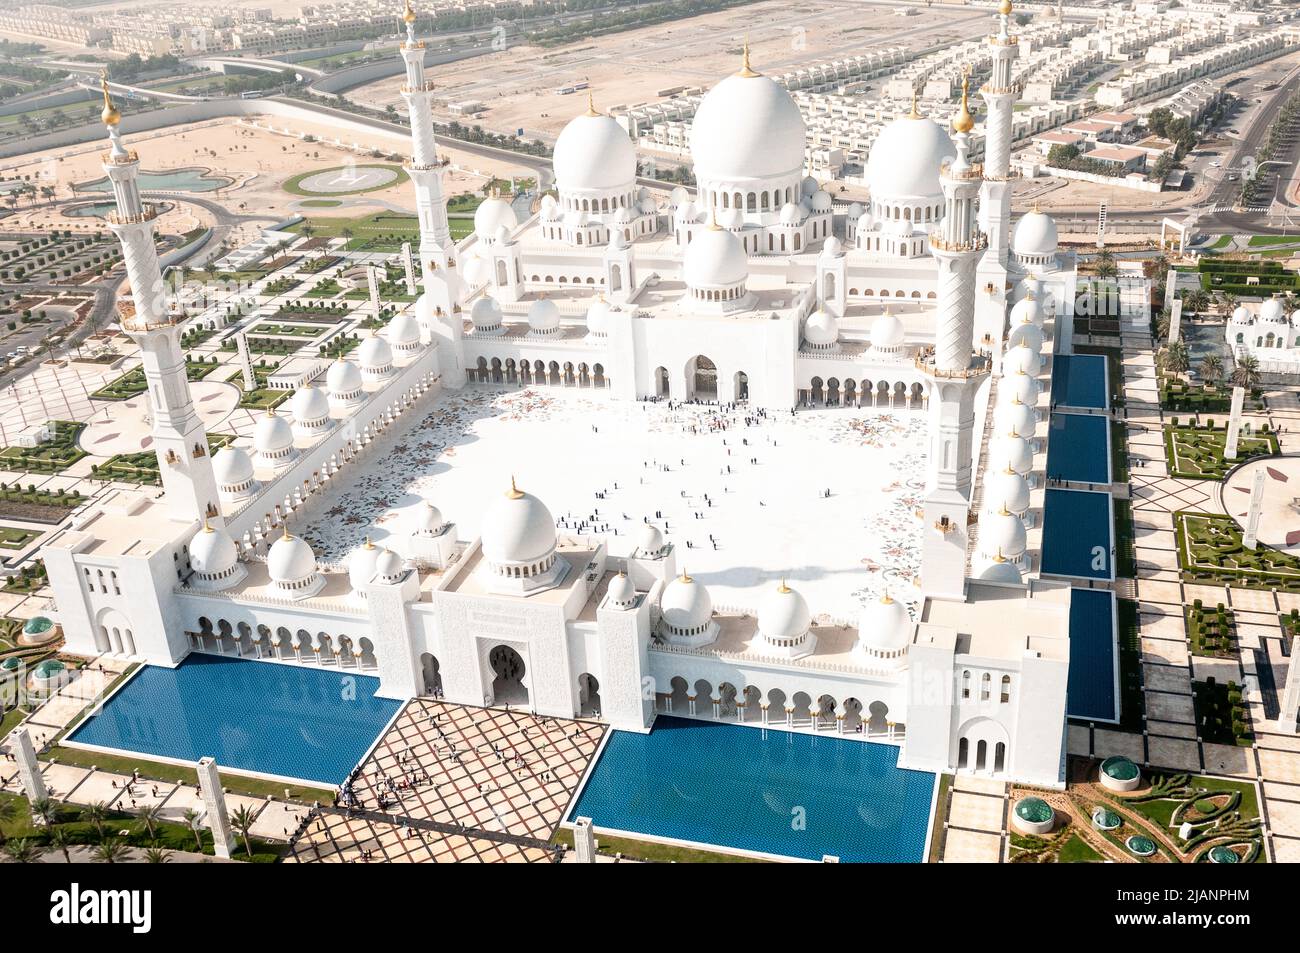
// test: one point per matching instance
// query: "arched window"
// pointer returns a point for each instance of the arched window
(965, 684)
(986, 682)
(1006, 689)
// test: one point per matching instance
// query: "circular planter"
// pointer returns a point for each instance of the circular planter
(1033, 815)
(48, 676)
(1140, 846)
(1119, 774)
(1224, 855)
(37, 630)
(1105, 820)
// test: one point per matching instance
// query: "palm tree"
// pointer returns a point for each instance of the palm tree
(1163, 320)
(1176, 360)
(242, 821)
(8, 809)
(191, 818)
(24, 850)
(150, 815)
(1227, 301)
(95, 815)
(1211, 369)
(111, 851)
(1246, 373)
(156, 855)
(1106, 264)
(60, 839)
(46, 810)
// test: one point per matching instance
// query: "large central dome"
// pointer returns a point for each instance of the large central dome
(747, 127)
(905, 158)
(594, 152)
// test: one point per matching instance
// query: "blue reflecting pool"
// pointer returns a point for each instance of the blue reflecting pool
(1091, 690)
(1078, 448)
(771, 792)
(1079, 380)
(1077, 537)
(306, 723)
(176, 180)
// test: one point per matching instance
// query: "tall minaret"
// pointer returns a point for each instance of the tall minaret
(1000, 94)
(179, 438)
(438, 309)
(954, 370)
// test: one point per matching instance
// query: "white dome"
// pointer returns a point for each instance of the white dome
(832, 247)
(1000, 570)
(518, 529)
(1021, 386)
(886, 332)
(491, 215)
(1028, 284)
(1012, 417)
(374, 352)
(486, 314)
(1295, 317)
(783, 615)
(1241, 315)
(212, 551)
(389, 566)
(403, 330)
(808, 186)
(715, 259)
(1272, 312)
(361, 567)
(427, 519)
(598, 317)
(290, 560)
(343, 377)
(231, 466)
(905, 158)
(476, 270)
(866, 222)
(822, 201)
(649, 540)
(855, 210)
(1028, 310)
(685, 604)
(543, 316)
(747, 127)
(1020, 358)
(550, 209)
(309, 405)
(1002, 533)
(1008, 450)
(678, 196)
(621, 592)
(1034, 234)
(1026, 335)
(732, 218)
(1006, 488)
(884, 625)
(594, 152)
(821, 329)
(272, 433)
(685, 213)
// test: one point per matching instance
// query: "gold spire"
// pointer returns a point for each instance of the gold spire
(207, 526)
(369, 544)
(110, 116)
(745, 70)
(591, 106)
(286, 530)
(713, 220)
(684, 577)
(915, 113)
(409, 15)
(1004, 511)
(964, 122)
(783, 588)
(1005, 8)
(514, 493)
(1035, 208)
(886, 599)
(999, 558)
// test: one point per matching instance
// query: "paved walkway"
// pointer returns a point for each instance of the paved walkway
(975, 829)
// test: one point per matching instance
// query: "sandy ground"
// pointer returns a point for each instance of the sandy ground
(518, 84)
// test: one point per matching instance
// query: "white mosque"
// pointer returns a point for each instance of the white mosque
(1267, 333)
(757, 287)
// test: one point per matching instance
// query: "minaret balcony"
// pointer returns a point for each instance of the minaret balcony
(989, 89)
(1004, 41)
(413, 45)
(148, 214)
(978, 242)
(133, 321)
(924, 362)
(125, 158)
(975, 171)
(425, 87)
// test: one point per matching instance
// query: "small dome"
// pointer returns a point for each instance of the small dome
(231, 466)
(1009, 450)
(685, 213)
(518, 528)
(503, 235)
(1007, 489)
(543, 316)
(678, 196)
(1034, 234)
(783, 615)
(789, 214)
(343, 378)
(593, 152)
(621, 592)
(715, 259)
(649, 541)
(884, 625)
(1295, 317)
(1028, 310)
(1000, 569)
(476, 271)
(309, 405)
(685, 605)
(1020, 358)
(1026, 335)
(732, 218)
(626, 216)
(486, 314)
(374, 353)
(1241, 315)
(855, 210)
(598, 317)
(886, 332)
(1002, 533)
(821, 329)
(272, 433)
(821, 201)
(550, 209)
(290, 560)
(403, 330)
(389, 566)
(361, 567)
(427, 519)
(491, 215)
(832, 247)
(212, 551)
(1016, 418)
(1272, 311)
(1019, 386)
(905, 158)
(866, 222)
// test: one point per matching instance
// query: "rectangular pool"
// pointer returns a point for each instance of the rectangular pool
(307, 724)
(1078, 448)
(1079, 380)
(1078, 539)
(769, 792)
(1092, 690)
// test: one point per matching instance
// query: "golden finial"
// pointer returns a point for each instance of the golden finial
(514, 493)
(684, 577)
(1004, 511)
(915, 113)
(783, 588)
(886, 599)
(369, 544)
(1035, 208)
(999, 558)
(409, 15)
(286, 530)
(1004, 8)
(591, 105)
(964, 122)
(207, 526)
(713, 220)
(110, 116)
(745, 70)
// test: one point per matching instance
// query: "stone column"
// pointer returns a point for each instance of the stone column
(372, 281)
(1175, 319)
(29, 769)
(409, 265)
(1234, 423)
(584, 841)
(1256, 505)
(214, 804)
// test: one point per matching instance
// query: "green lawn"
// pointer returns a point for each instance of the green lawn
(142, 467)
(1210, 550)
(1076, 851)
(57, 454)
(1263, 241)
(1196, 453)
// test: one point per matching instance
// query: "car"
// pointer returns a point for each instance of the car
(1215, 164)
